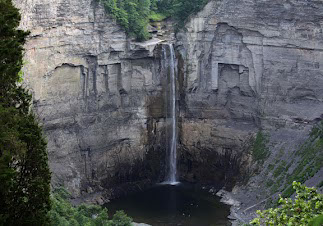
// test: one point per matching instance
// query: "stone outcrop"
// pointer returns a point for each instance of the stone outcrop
(255, 59)
(243, 65)
(250, 65)
(99, 96)
(247, 65)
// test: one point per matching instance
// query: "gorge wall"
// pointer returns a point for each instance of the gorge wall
(99, 96)
(244, 65)
(248, 66)
(252, 66)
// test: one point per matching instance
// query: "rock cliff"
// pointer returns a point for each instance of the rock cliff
(250, 66)
(244, 65)
(99, 95)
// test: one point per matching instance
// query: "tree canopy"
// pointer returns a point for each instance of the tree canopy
(134, 15)
(24, 171)
(306, 209)
(63, 213)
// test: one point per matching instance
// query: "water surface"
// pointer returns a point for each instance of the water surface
(183, 204)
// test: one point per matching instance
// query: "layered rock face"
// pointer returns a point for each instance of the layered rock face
(247, 65)
(98, 95)
(243, 65)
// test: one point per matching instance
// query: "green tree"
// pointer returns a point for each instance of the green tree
(166, 6)
(121, 219)
(24, 172)
(63, 213)
(182, 9)
(307, 205)
(132, 15)
(153, 5)
(138, 12)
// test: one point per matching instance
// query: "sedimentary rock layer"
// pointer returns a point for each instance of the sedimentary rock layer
(248, 65)
(98, 95)
(244, 65)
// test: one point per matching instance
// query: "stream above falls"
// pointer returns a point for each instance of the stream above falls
(183, 204)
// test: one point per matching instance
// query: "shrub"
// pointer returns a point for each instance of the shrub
(259, 149)
(317, 131)
(134, 15)
(63, 213)
(307, 205)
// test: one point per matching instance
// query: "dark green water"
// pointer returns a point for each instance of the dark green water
(183, 204)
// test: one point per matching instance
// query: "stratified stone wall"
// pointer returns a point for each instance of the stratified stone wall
(244, 65)
(248, 65)
(98, 95)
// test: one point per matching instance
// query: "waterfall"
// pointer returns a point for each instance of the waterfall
(171, 68)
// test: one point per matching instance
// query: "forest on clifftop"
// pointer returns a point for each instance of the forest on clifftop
(135, 15)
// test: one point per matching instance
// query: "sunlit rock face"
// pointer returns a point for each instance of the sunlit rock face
(243, 65)
(247, 65)
(98, 95)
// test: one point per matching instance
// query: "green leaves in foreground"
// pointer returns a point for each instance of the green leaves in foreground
(305, 210)
(24, 171)
(63, 213)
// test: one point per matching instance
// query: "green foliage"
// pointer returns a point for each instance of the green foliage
(269, 183)
(288, 192)
(271, 167)
(308, 159)
(180, 10)
(120, 219)
(317, 131)
(311, 160)
(157, 16)
(307, 205)
(24, 169)
(11, 58)
(134, 15)
(317, 221)
(63, 213)
(24, 172)
(259, 149)
(279, 169)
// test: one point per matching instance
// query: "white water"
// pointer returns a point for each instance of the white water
(172, 164)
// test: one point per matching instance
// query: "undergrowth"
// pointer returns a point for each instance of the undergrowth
(64, 213)
(308, 159)
(259, 149)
